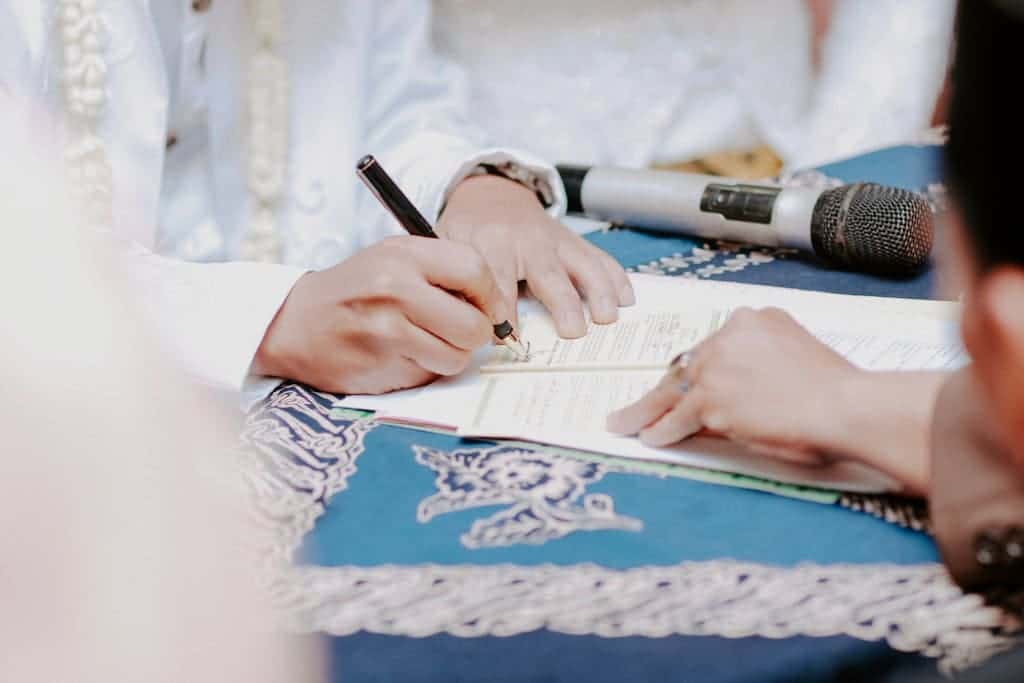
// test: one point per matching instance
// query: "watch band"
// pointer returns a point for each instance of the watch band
(525, 177)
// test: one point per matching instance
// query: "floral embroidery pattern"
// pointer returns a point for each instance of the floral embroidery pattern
(300, 456)
(711, 259)
(546, 494)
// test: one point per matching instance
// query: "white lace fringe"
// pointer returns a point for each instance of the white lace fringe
(914, 608)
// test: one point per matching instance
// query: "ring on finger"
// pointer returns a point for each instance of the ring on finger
(677, 372)
(682, 360)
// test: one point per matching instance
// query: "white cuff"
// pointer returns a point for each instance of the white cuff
(255, 389)
(215, 315)
(535, 174)
(268, 297)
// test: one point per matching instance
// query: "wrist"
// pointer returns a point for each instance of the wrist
(846, 410)
(274, 356)
(490, 188)
(884, 421)
(267, 362)
(482, 201)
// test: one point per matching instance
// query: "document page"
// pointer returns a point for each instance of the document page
(572, 385)
(520, 400)
(884, 352)
(563, 394)
(648, 340)
(640, 339)
(568, 401)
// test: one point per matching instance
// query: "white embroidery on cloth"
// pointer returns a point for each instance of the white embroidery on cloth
(302, 457)
(711, 259)
(295, 458)
(546, 492)
(914, 608)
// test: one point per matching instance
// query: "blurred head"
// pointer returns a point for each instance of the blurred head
(985, 146)
(121, 555)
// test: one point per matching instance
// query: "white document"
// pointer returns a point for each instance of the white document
(564, 393)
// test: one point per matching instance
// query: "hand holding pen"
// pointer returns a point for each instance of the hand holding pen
(392, 316)
(407, 309)
(412, 221)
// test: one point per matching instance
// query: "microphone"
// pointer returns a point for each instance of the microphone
(862, 226)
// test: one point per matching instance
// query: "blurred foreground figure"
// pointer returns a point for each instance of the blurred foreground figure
(120, 560)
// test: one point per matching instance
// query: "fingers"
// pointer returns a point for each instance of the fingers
(413, 375)
(593, 282)
(677, 424)
(433, 354)
(460, 268)
(396, 374)
(665, 415)
(447, 317)
(615, 271)
(550, 283)
(653, 405)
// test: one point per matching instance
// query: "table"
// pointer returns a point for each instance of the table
(430, 558)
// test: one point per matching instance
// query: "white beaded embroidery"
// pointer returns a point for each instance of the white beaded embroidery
(300, 457)
(84, 81)
(268, 131)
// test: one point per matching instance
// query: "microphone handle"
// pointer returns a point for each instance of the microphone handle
(692, 204)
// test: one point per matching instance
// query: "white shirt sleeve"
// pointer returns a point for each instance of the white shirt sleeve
(416, 122)
(210, 316)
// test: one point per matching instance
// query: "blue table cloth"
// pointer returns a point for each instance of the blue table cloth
(430, 558)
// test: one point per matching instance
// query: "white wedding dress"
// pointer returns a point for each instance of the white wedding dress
(607, 81)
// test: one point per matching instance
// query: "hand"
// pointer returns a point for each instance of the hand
(762, 380)
(508, 226)
(388, 318)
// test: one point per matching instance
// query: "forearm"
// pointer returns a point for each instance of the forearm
(883, 419)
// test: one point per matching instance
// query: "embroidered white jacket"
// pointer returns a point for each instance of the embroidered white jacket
(363, 79)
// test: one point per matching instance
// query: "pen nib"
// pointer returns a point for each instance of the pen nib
(522, 352)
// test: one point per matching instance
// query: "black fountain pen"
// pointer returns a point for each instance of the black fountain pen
(394, 200)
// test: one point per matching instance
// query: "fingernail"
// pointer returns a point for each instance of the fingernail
(650, 438)
(605, 311)
(716, 422)
(626, 296)
(573, 325)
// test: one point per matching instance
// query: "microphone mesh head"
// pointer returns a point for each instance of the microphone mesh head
(873, 228)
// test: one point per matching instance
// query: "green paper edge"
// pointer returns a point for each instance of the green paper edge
(742, 481)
